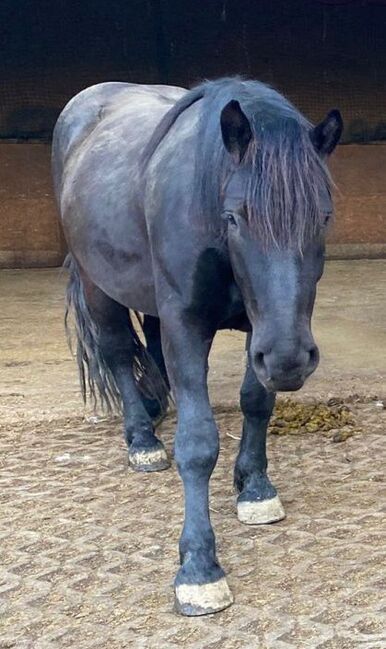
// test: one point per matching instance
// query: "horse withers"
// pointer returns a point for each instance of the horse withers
(203, 210)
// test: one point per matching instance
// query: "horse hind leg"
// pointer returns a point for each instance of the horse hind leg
(115, 367)
(156, 407)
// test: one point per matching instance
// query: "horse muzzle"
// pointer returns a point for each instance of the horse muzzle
(285, 370)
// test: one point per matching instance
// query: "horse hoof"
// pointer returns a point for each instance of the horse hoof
(149, 460)
(203, 599)
(260, 512)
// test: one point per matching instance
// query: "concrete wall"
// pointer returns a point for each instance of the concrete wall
(30, 234)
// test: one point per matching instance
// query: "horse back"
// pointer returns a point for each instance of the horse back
(88, 109)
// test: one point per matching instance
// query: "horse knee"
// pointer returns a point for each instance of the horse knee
(256, 402)
(197, 453)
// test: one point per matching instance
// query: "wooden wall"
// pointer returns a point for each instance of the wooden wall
(359, 230)
(30, 234)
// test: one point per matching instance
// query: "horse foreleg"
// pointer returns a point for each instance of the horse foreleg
(200, 584)
(258, 501)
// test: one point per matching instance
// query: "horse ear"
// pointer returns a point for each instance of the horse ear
(326, 135)
(235, 129)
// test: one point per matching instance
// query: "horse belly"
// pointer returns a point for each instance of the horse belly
(121, 270)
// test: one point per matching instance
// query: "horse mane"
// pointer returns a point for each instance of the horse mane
(288, 182)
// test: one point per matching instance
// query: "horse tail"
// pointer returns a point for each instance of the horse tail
(96, 379)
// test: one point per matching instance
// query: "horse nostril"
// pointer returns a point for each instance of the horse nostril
(259, 361)
(314, 356)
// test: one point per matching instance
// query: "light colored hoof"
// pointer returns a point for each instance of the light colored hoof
(147, 461)
(202, 599)
(260, 512)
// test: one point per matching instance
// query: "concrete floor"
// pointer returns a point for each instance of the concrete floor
(89, 549)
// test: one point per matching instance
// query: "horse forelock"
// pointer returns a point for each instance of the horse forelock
(287, 184)
(287, 180)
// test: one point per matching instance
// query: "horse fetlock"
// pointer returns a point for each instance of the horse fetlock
(255, 485)
(154, 409)
(247, 476)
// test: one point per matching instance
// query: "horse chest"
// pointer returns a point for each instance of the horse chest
(215, 298)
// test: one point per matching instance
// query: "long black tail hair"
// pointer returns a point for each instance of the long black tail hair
(96, 380)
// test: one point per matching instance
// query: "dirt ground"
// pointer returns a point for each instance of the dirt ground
(89, 548)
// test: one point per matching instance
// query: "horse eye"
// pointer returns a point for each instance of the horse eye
(326, 218)
(229, 216)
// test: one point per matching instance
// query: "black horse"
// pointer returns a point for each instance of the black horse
(203, 210)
